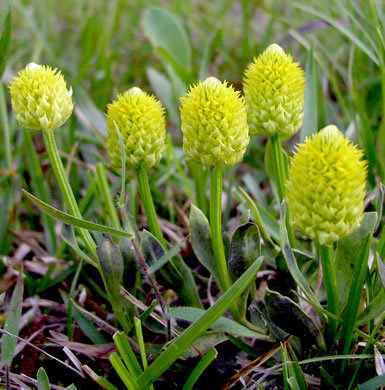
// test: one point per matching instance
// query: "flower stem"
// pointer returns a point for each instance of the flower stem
(65, 187)
(327, 260)
(216, 228)
(145, 194)
(41, 188)
(73, 208)
(199, 175)
(280, 179)
(276, 149)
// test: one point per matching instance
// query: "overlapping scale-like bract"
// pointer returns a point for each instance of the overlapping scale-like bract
(274, 88)
(140, 119)
(40, 98)
(326, 186)
(214, 124)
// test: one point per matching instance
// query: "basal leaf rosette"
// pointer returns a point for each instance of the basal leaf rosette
(274, 88)
(140, 118)
(40, 98)
(214, 124)
(326, 187)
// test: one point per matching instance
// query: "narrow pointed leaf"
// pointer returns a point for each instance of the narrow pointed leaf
(71, 220)
(348, 256)
(12, 322)
(195, 330)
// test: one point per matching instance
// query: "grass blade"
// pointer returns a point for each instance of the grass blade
(12, 322)
(5, 41)
(210, 355)
(310, 119)
(341, 28)
(192, 333)
(354, 299)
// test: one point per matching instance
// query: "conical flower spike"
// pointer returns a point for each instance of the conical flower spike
(40, 98)
(214, 124)
(274, 88)
(326, 188)
(140, 119)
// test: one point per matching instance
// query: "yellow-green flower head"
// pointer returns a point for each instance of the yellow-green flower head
(40, 98)
(274, 88)
(140, 119)
(214, 124)
(326, 186)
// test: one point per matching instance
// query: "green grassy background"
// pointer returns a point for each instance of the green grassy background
(104, 48)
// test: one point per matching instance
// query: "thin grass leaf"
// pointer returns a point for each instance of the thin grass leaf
(105, 190)
(70, 302)
(86, 325)
(5, 40)
(341, 28)
(12, 322)
(122, 372)
(285, 366)
(380, 204)
(296, 369)
(347, 257)
(210, 355)
(354, 299)
(166, 257)
(71, 220)
(223, 324)
(366, 133)
(194, 331)
(381, 269)
(328, 378)
(310, 118)
(103, 382)
(127, 354)
(292, 263)
(293, 384)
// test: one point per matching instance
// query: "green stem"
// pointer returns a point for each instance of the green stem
(73, 208)
(276, 149)
(281, 176)
(199, 176)
(65, 187)
(41, 189)
(327, 260)
(104, 188)
(216, 228)
(145, 194)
